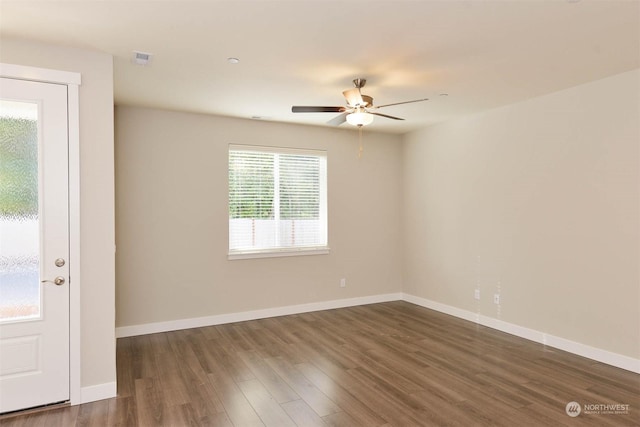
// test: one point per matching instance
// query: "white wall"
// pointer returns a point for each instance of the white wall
(538, 201)
(97, 198)
(172, 218)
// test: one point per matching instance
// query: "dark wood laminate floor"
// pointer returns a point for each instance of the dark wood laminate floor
(390, 364)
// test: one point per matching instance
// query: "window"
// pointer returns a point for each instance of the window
(277, 202)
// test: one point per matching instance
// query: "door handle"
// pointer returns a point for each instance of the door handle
(57, 281)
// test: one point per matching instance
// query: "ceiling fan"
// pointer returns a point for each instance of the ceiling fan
(359, 110)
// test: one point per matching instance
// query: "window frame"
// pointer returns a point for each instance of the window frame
(283, 251)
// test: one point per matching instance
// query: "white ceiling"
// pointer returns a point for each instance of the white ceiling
(483, 54)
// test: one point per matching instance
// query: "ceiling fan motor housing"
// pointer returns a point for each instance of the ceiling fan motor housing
(359, 83)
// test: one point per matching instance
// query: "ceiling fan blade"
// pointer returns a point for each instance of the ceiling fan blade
(405, 102)
(316, 109)
(353, 97)
(338, 120)
(384, 115)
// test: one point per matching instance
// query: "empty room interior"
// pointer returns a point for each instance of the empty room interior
(320, 213)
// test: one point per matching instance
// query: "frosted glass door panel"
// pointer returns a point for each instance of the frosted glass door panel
(19, 219)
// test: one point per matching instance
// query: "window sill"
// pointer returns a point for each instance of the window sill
(277, 253)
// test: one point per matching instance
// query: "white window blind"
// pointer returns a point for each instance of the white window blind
(277, 201)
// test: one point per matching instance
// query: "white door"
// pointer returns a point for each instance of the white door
(34, 245)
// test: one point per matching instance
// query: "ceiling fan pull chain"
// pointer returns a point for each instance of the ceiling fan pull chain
(360, 147)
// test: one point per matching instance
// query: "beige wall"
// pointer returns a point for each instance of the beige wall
(97, 195)
(172, 218)
(539, 200)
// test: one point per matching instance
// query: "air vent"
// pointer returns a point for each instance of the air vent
(141, 58)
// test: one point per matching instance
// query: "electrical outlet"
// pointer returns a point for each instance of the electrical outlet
(496, 298)
(343, 283)
(476, 294)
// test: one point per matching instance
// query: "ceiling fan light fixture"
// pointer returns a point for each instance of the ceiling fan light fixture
(360, 118)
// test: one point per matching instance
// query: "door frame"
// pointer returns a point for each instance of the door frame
(72, 81)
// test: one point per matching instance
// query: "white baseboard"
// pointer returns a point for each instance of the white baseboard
(97, 392)
(197, 322)
(610, 358)
(604, 356)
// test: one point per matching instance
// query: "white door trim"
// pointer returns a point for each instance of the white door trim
(72, 81)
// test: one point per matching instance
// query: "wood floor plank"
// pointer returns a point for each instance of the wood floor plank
(53, 417)
(158, 343)
(35, 420)
(202, 396)
(226, 357)
(269, 411)
(392, 373)
(341, 419)
(233, 338)
(122, 412)
(175, 391)
(582, 376)
(144, 360)
(380, 365)
(615, 394)
(440, 412)
(125, 363)
(179, 415)
(210, 332)
(387, 406)
(94, 414)
(357, 410)
(199, 345)
(312, 395)
(236, 405)
(149, 402)
(487, 415)
(217, 420)
(276, 386)
(314, 349)
(302, 414)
